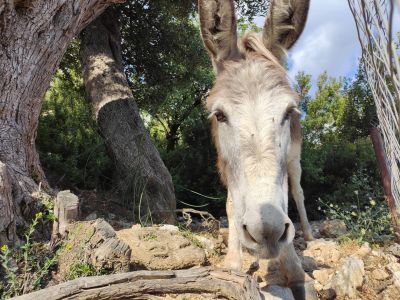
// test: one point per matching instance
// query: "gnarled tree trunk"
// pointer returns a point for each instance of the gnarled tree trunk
(142, 180)
(33, 38)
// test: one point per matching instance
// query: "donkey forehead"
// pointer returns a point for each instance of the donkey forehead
(253, 85)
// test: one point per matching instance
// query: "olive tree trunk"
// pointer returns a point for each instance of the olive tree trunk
(34, 35)
(142, 181)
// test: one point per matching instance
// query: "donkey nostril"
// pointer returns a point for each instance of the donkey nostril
(285, 233)
(247, 233)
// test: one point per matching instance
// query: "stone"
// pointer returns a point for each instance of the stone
(324, 252)
(322, 276)
(207, 243)
(393, 267)
(364, 250)
(348, 277)
(169, 227)
(333, 228)
(328, 294)
(156, 249)
(394, 249)
(91, 217)
(379, 274)
(309, 264)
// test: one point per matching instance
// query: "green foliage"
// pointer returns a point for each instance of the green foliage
(80, 269)
(365, 223)
(338, 157)
(68, 141)
(26, 267)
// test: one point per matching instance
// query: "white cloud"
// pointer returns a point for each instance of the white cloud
(329, 41)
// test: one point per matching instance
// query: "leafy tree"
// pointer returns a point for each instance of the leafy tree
(338, 158)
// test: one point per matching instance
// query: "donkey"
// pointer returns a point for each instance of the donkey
(256, 130)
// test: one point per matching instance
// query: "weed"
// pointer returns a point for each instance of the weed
(26, 267)
(151, 236)
(369, 223)
(81, 269)
(190, 236)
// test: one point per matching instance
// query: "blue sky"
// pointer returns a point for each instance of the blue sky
(329, 41)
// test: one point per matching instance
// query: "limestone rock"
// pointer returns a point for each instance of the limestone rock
(395, 249)
(309, 264)
(333, 228)
(208, 244)
(322, 276)
(379, 274)
(364, 250)
(169, 227)
(156, 249)
(324, 252)
(348, 277)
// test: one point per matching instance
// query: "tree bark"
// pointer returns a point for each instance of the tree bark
(33, 38)
(142, 180)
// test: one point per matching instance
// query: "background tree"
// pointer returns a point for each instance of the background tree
(33, 38)
(141, 176)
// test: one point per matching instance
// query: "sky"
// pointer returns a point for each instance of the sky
(329, 42)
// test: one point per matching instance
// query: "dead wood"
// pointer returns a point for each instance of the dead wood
(149, 284)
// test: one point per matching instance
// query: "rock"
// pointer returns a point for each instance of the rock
(169, 227)
(156, 249)
(207, 243)
(333, 228)
(91, 217)
(324, 252)
(276, 292)
(348, 277)
(379, 274)
(393, 268)
(328, 294)
(396, 279)
(322, 276)
(94, 243)
(309, 264)
(364, 250)
(395, 249)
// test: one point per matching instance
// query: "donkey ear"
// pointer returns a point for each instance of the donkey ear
(284, 24)
(218, 30)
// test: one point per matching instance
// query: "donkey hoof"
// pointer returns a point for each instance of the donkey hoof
(304, 291)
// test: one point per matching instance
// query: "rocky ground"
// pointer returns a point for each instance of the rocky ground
(337, 270)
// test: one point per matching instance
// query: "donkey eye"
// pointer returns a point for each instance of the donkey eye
(221, 117)
(287, 115)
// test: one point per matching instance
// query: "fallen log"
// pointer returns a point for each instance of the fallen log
(150, 284)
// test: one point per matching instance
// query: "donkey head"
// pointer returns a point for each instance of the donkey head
(254, 117)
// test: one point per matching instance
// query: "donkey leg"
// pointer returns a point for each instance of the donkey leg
(233, 259)
(294, 170)
(299, 282)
